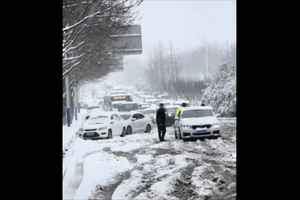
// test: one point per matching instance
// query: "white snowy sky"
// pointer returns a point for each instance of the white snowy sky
(186, 23)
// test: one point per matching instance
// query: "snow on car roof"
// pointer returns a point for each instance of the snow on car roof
(119, 93)
(131, 112)
(170, 106)
(100, 112)
(149, 109)
(198, 108)
(124, 102)
(167, 101)
(117, 102)
(181, 101)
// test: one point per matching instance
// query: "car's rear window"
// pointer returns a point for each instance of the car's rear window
(125, 116)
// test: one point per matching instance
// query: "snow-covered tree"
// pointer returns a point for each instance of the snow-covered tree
(87, 26)
(221, 93)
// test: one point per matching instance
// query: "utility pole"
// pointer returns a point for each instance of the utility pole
(67, 84)
(75, 101)
(207, 70)
(77, 97)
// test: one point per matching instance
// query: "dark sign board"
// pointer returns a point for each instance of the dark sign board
(119, 98)
(128, 40)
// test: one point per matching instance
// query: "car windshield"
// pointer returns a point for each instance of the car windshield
(98, 119)
(126, 107)
(125, 116)
(196, 113)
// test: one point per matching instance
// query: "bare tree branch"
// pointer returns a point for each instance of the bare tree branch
(88, 25)
(81, 21)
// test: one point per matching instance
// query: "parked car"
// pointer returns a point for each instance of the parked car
(151, 113)
(137, 122)
(143, 106)
(179, 102)
(167, 102)
(170, 115)
(152, 101)
(100, 124)
(197, 122)
(163, 96)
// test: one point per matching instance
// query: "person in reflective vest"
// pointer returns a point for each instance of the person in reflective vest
(179, 110)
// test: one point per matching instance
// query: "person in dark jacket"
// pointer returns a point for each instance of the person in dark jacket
(161, 122)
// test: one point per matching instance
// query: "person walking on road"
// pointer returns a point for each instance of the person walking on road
(161, 122)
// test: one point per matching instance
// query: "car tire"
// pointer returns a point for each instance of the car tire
(129, 130)
(109, 134)
(216, 136)
(148, 128)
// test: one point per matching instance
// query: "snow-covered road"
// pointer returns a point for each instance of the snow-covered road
(139, 167)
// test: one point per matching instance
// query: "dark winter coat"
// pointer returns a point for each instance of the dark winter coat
(161, 116)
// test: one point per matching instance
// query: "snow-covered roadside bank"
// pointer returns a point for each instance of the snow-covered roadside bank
(100, 164)
(69, 132)
(99, 170)
(74, 166)
(94, 163)
(69, 138)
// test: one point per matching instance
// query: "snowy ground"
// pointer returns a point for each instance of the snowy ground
(139, 167)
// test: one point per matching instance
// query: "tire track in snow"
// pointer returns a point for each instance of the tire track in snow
(73, 179)
(75, 175)
(78, 172)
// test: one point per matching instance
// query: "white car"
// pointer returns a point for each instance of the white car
(151, 113)
(100, 124)
(180, 102)
(144, 106)
(197, 122)
(137, 122)
(152, 101)
(167, 102)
